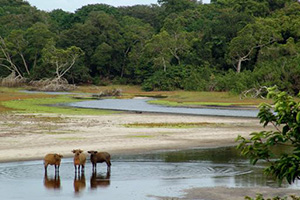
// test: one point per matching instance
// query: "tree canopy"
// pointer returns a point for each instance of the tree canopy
(227, 45)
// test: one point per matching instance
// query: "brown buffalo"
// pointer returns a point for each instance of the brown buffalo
(100, 157)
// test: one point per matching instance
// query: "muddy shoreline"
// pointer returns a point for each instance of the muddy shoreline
(31, 136)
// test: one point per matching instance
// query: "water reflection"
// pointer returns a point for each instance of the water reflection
(52, 182)
(79, 182)
(215, 155)
(135, 176)
(100, 180)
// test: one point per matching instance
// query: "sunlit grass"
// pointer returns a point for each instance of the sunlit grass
(46, 105)
(9, 94)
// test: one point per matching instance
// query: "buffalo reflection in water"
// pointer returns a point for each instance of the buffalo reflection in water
(52, 182)
(97, 180)
(79, 182)
(100, 180)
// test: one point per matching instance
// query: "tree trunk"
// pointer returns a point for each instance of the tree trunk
(239, 65)
(164, 63)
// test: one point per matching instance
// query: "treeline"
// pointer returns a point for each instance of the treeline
(227, 45)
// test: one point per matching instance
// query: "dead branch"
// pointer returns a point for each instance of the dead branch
(255, 93)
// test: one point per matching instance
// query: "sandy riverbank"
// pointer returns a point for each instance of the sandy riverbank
(27, 137)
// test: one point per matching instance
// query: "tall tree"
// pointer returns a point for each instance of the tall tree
(134, 32)
(6, 61)
(178, 43)
(102, 59)
(36, 38)
(252, 37)
(158, 50)
(17, 45)
(61, 60)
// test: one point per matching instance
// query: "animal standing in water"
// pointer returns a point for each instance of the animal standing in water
(100, 157)
(52, 159)
(79, 160)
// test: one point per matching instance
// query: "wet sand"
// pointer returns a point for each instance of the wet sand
(28, 137)
(224, 193)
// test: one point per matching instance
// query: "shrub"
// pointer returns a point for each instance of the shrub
(285, 73)
(235, 82)
(165, 80)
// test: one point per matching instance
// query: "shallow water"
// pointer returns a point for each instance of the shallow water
(141, 105)
(134, 177)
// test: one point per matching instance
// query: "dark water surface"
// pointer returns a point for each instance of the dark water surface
(141, 105)
(134, 177)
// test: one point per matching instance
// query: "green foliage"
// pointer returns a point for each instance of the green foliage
(61, 20)
(198, 79)
(60, 60)
(165, 81)
(82, 14)
(234, 82)
(195, 45)
(285, 118)
(175, 6)
(149, 14)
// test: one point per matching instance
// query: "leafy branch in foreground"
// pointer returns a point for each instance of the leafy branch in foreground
(263, 145)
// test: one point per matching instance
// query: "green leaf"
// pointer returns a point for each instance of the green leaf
(298, 117)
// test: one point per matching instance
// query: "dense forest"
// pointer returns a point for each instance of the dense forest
(227, 45)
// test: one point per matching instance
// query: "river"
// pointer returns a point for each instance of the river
(134, 177)
(141, 105)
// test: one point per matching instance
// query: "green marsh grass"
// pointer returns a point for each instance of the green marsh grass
(50, 105)
(194, 99)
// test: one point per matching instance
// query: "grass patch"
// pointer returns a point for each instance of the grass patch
(171, 125)
(9, 94)
(42, 105)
